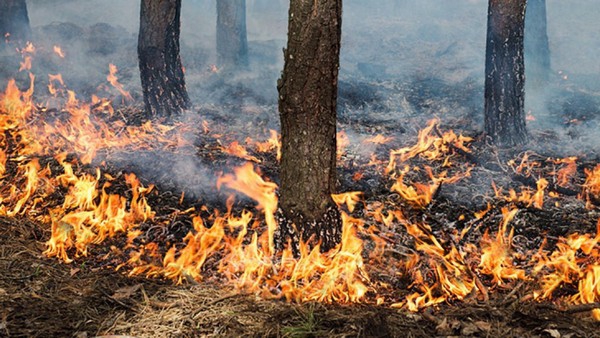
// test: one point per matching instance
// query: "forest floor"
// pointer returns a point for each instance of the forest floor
(41, 297)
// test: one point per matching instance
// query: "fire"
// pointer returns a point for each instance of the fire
(238, 247)
(54, 78)
(421, 194)
(90, 215)
(58, 51)
(114, 81)
(274, 142)
(348, 198)
(342, 143)
(565, 174)
(236, 149)
(496, 258)
(248, 182)
(576, 259)
(378, 139)
(591, 187)
(431, 147)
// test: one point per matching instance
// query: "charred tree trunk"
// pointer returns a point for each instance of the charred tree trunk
(537, 48)
(14, 21)
(161, 72)
(232, 40)
(307, 107)
(505, 73)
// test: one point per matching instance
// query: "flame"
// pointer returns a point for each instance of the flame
(431, 147)
(89, 216)
(421, 194)
(236, 149)
(248, 182)
(114, 81)
(496, 258)
(591, 186)
(575, 260)
(348, 198)
(342, 142)
(526, 196)
(378, 139)
(565, 174)
(274, 142)
(240, 246)
(58, 51)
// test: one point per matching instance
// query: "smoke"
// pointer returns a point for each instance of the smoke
(402, 63)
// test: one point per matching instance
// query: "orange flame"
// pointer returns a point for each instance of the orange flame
(114, 81)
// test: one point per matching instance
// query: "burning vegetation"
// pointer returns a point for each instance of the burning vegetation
(428, 219)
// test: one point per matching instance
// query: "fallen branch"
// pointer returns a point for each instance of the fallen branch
(571, 309)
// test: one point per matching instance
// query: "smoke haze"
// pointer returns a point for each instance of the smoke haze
(399, 59)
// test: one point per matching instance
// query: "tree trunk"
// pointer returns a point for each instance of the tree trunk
(505, 73)
(537, 48)
(161, 72)
(307, 107)
(232, 41)
(14, 21)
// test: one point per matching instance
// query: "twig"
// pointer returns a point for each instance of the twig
(582, 308)
(572, 309)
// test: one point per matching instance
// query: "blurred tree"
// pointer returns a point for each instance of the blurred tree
(14, 21)
(307, 107)
(505, 73)
(232, 41)
(161, 71)
(537, 48)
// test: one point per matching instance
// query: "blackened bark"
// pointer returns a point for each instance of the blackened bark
(537, 48)
(161, 71)
(232, 40)
(14, 21)
(307, 107)
(505, 73)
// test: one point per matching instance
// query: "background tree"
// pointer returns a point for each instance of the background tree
(14, 21)
(505, 73)
(537, 48)
(232, 40)
(161, 72)
(307, 107)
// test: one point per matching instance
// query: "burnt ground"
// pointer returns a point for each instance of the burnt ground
(42, 297)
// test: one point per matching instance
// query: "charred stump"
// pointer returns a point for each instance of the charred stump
(161, 71)
(14, 21)
(537, 47)
(505, 73)
(232, 40)
(307, 107)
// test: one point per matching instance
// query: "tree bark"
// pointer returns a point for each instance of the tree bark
(537, 47)
(232, 40)
(14, 21)
(161, 71)
(505, 73)
(307, 107)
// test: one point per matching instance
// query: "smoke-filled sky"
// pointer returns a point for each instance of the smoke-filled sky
(573, 25)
